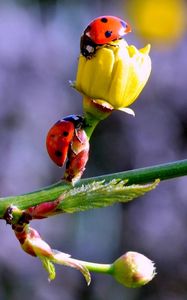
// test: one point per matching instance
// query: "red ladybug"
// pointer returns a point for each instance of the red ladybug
(60, 136)
(100, 31)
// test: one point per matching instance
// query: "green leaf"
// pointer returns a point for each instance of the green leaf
(101, 194)
(48, 266)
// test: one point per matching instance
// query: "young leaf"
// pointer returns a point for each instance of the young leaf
(101, 194)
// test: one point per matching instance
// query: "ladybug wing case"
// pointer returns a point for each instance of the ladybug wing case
(58, 141)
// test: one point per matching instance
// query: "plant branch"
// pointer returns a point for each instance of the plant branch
(137, 176)
(147, 174)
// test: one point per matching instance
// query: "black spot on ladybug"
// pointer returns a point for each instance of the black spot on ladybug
(58, 153)
(108, 33)
(65, 133)
(104, 20)
(124, 24)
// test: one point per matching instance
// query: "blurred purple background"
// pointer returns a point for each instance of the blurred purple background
(39, 49)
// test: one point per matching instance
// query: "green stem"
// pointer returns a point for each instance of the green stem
(93, 114)
(137, 176)
(147, 174)
(95, 267)
(90, 124)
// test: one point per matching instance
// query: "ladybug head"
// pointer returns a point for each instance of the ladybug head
(87, 46)
(75, 119)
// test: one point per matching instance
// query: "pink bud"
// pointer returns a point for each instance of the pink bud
(32, 243)
(77, 156)
(42, 210)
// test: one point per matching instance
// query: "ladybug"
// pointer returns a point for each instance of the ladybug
(101, 31)
(60, 136)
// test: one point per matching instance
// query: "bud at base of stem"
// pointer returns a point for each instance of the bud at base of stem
(31, 242)
(77, 156)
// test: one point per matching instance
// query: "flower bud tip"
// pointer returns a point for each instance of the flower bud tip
(146, 49)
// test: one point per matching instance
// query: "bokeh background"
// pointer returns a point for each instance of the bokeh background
(39, 49)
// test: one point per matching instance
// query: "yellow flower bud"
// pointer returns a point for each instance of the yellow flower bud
(116, 74)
